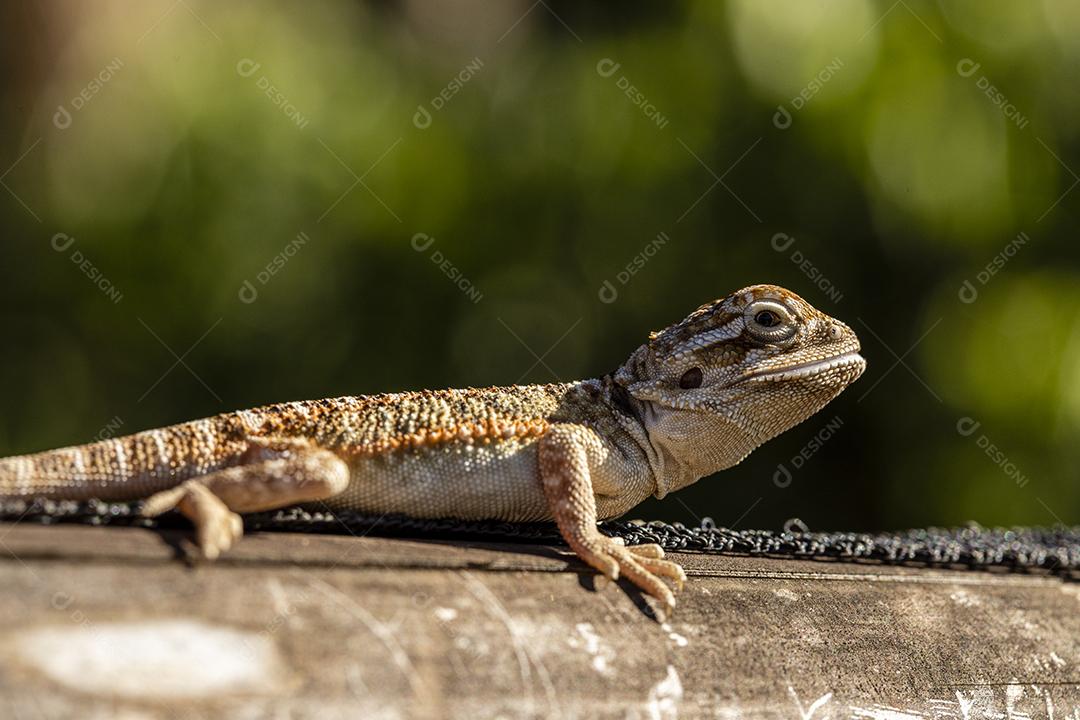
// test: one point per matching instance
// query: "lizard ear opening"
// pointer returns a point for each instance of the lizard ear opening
(691, 379)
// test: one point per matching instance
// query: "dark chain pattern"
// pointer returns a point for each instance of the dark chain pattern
(1055, 549)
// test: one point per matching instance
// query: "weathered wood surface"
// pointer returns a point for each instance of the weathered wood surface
(107, 622)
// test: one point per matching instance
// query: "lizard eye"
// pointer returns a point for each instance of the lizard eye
(690, 379)
(767, 318)
(768, 321)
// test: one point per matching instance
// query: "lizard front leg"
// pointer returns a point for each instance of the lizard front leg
(274, 474)
(564, 460)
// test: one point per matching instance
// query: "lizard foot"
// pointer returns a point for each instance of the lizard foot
(274, 474)
(216, 526)
(643, 565)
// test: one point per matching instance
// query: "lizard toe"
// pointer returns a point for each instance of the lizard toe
(665, 568)
(218, 533)
(163, 501)
(648, 550)
(611, 569)
(645, 579)
(602, 560)
(236, 527)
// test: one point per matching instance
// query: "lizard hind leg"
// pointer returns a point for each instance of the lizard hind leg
(272, 476)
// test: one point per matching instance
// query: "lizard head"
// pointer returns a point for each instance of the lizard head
(737, 372)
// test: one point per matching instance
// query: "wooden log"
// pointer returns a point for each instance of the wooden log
(103, 622)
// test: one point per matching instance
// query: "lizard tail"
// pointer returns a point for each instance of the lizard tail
(126, 468)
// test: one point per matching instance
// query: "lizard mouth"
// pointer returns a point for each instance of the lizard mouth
(809, 369)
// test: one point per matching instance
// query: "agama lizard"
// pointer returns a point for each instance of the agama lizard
(696, 398)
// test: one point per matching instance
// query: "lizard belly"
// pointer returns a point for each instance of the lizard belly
(471, 481)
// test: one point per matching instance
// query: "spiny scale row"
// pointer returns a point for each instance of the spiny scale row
(485, 431)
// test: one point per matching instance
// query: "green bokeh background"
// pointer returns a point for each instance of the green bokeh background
(919, 140)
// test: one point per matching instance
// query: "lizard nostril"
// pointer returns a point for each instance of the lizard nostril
(835, 332)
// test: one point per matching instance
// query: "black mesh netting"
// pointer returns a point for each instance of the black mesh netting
(1055, 549)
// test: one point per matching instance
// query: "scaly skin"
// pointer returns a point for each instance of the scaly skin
(695, 399)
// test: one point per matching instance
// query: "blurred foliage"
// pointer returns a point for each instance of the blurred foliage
(920, 139)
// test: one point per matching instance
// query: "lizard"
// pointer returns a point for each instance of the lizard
(696, 398)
